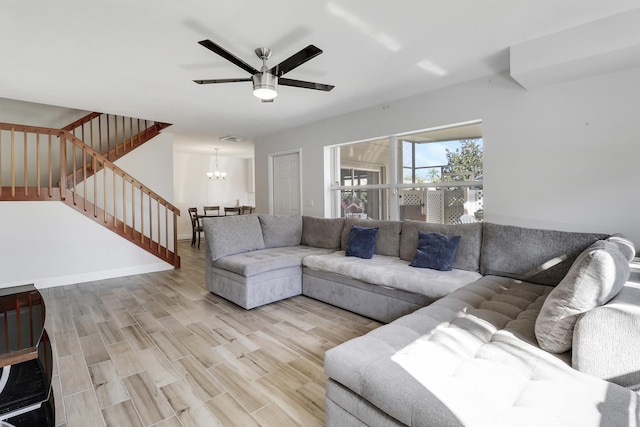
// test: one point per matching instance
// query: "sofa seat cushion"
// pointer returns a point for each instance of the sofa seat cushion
(392, 272)
(261, 261)
(471, 358)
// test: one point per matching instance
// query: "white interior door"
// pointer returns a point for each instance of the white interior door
(286, 184)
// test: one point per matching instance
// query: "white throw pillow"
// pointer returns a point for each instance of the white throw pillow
(596, 276)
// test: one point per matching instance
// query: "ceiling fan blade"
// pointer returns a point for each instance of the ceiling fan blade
(303, 84)
(206, 82)
(227, 55)
(295, 60)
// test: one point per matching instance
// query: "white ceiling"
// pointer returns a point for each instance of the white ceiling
(139, 57)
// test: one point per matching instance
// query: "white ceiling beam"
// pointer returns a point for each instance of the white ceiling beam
(603, 46)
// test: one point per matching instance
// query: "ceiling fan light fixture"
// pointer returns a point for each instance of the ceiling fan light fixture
(264, 85)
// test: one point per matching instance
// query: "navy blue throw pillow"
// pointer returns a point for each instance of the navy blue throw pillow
(362, 241)
(435, 251)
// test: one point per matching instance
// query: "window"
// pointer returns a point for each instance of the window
(362, 170)
(434, 176)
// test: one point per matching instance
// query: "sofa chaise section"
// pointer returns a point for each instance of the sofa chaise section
(252, 260)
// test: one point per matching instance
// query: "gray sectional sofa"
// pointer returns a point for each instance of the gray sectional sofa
(530, 327)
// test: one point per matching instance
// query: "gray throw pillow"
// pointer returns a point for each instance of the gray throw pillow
(231, 235)
(281, 230)
(322, 232)
(596, 276)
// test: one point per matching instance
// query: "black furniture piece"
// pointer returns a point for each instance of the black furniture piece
(26, 360)
(209, 209)
(196, 227)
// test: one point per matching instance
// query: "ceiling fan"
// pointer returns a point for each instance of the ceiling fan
(266, 80)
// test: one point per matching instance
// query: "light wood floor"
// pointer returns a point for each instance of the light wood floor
(160, 350)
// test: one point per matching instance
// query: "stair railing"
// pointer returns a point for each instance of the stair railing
(113, 135)
(38, 163)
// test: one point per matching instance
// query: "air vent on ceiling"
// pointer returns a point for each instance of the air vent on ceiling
(232, 138)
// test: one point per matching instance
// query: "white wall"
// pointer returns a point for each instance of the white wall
(563, 156)
(192, 188)
(152, 163)
(50, 244)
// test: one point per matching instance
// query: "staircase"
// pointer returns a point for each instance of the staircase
(75, 165)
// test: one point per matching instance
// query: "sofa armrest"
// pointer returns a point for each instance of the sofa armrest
(606, 340)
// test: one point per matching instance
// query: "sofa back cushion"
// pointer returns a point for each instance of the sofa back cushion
(467, 253)
(535, 255)
(231, 235)
(322, 232)
(280, 230)
(388, 240)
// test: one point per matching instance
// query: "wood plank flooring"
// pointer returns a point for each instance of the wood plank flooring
(160, 350)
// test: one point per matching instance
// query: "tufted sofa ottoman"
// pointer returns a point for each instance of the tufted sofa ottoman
(470, 358)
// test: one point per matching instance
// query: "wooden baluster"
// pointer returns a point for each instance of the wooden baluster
(150, 221)
(166, 230)
(115, 203)
(51, 169)
(84, 178)
(94, 165)
(108, 134)
(141, 214)
(74, 180)
(24, 156)
(105, 217)
(124, 206)
(124, 136)
(13, 162)
(131, 133)
(38, 163)
(91, 132)
(100, 134)
(158, 207)
(63, 166)
(115, 120)
(175, 239)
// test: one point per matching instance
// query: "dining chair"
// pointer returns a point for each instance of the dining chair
(196, 228)
(231, 211)
(246, 210)
(215, 209)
